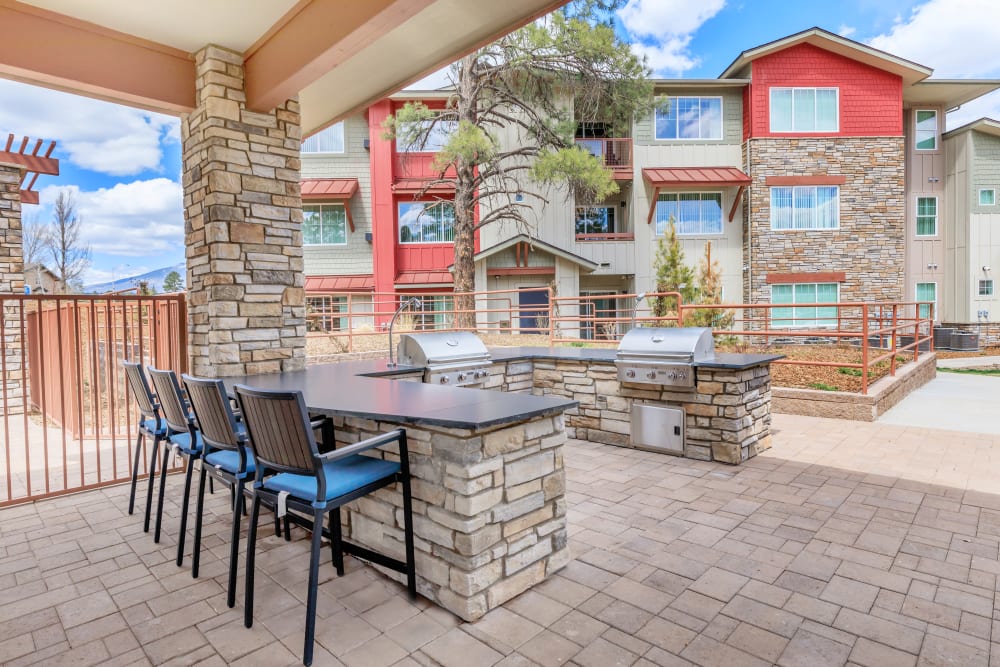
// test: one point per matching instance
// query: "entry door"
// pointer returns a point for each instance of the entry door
(534, 310)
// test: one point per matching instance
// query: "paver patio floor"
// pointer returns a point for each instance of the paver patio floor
(869, 544)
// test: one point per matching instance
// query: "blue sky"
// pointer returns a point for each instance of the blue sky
(123, 165)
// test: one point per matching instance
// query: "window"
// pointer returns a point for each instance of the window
(324, 225)
(431, 142)
(322, 313)
(926, 216)
(427, 222)
(805, 207)
(690, 118)
(436, 311)
(986, 287)
(987, 197)
(809, 315)
(804, 110)
(927, 292)
(692, 212)
(595, 220)
(330, 140)
(926, 130)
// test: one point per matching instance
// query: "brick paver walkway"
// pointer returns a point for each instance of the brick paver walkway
(846, 543)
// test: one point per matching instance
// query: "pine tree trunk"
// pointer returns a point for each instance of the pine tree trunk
(465, 207)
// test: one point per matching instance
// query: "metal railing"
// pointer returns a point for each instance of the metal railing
(68, 418)
(615, 153)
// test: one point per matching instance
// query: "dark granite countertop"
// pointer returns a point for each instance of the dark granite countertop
(348, 388)
(723, 360)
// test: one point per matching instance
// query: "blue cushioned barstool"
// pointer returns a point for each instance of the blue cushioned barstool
(292, 473)
(183, 437)
(151, 425)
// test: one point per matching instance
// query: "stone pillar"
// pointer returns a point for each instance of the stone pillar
(11, 282)
(243, 227)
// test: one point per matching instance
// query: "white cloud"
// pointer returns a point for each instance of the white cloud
(134, 219)
(846, 30)
(100, 136)
(957, 38)
(662, 30)
(120, 273)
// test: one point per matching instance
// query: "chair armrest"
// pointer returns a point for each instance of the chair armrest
(364, 445)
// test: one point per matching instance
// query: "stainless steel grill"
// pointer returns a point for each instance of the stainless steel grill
(663, 356)
(457, 359)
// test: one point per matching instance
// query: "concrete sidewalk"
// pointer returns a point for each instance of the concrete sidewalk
(969, 362)
(952, 402)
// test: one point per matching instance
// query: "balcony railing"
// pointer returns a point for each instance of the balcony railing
(616, 153)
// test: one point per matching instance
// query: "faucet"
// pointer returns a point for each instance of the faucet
(638, 299)
(412, 302)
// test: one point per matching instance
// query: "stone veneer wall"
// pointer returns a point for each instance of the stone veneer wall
(870, 244)
(728, 415)
(243, 227)
(489, 510)
(11, 282)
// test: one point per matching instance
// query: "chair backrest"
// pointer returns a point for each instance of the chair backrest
(171, 399)
(213, 412)
(140, 390)
(278, 428)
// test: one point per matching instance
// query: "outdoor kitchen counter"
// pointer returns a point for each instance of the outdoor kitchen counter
(489, 487)
(723, 360)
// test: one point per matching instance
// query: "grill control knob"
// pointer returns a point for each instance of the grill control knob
(672, 375)
(681, 375)
(482, 374)
(461, 377)
(630, 374)
(445, 379)
(651, 375)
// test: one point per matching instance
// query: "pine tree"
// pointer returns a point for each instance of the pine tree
(709, 292)
(672, 274)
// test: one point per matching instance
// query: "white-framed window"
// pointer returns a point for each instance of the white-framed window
(986, 287)
(426, 222)
(595, 220)
(927, 292)
(325, 224)
(692, 212)
(927, 216)
(805, 207)
(925, 131)
(330, 140)
(689, 118)
(805, 109)
(436, 311)
(809, 314)
(324, 313)
(987, 197)
(435, 139)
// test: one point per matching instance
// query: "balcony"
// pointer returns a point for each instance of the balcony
(615, 153)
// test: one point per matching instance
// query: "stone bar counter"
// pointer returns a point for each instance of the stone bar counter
(487, 477)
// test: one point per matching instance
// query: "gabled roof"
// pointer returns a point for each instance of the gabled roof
(582, 262)
(984, 125)
(910, 71)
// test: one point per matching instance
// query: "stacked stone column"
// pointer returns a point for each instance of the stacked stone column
(11, 282)
(243, 227)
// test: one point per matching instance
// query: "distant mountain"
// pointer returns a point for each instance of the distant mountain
(154, 278)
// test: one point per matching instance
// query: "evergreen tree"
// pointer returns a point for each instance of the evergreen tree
(709, 292)
(172, 282)
(672, 274)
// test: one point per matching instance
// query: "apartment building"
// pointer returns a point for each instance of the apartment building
(815, 166)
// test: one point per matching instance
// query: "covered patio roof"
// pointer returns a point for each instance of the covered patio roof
(336, 56)
(694, 177)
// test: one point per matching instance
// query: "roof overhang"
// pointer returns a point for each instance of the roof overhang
(424, 279)
(665, 178)
(908, 70)
(663, 84)
(984, 125)
(331, 189)
(587, 265)
(337, 57)
(337, 284)
(948, 93)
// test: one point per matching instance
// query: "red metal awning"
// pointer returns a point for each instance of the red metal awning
(415, 185)
(694, 177)
(682, 177)
(329, 188)
(441, 277)
(334, 284)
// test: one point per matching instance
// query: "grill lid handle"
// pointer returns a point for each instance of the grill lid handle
(656, 338)
(451, 342)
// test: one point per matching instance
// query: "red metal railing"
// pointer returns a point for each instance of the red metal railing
(615, 153)
(68, 417)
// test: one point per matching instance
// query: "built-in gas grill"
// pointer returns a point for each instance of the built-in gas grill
(663, 356)
(457, 359)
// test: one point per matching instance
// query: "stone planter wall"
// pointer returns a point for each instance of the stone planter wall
(728, 415)
(489, 510)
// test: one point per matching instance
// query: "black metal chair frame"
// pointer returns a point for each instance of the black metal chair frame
(179, 420)
(320, 507)
(149, 409)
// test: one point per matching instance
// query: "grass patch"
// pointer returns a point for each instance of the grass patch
(971, 371)
(822, 386)
(853, 372)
